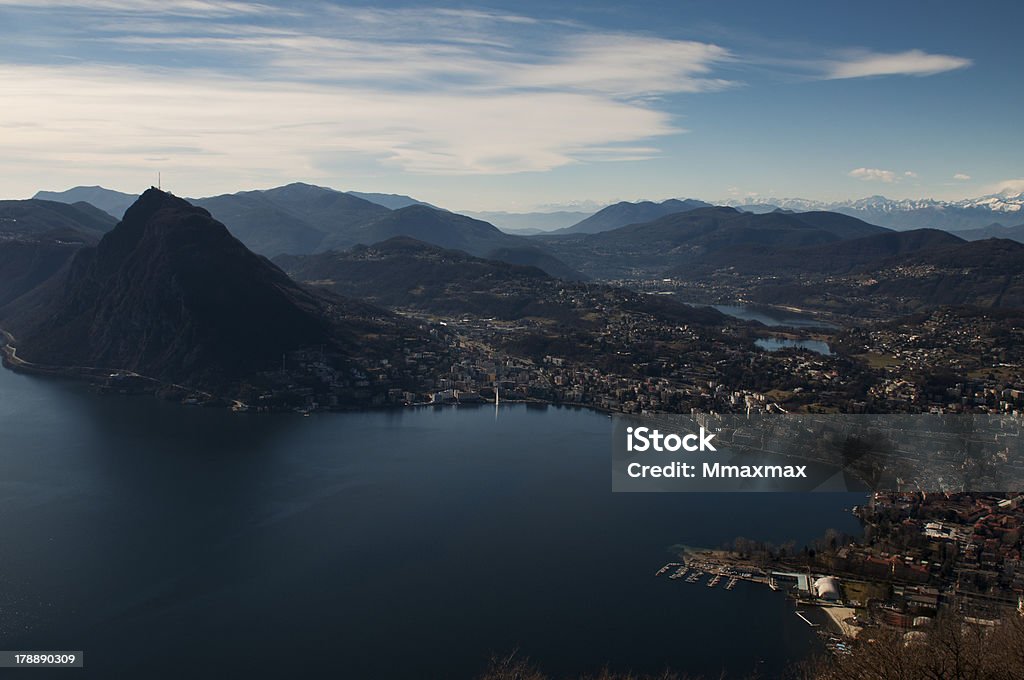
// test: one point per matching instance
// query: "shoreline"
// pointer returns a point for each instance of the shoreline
(98, 375)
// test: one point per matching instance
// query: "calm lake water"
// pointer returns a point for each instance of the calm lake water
(173, 542)
(772, 344)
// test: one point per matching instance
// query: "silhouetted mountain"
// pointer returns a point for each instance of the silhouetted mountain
(389, 201)
(404, 272)
(112, 202)
(698, 235)
(625, 213)
(169, 293)
(993, 231)
(35, 218)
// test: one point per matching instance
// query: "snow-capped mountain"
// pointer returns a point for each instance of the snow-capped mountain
(909, 213)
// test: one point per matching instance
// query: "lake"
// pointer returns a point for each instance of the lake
(772, 344)
(771, 316)
(169, 541)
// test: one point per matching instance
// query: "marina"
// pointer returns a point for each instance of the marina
(824, 611)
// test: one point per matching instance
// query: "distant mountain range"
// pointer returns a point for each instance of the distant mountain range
(301, 219)
(625, 213)
(972, 213)
(993, 231)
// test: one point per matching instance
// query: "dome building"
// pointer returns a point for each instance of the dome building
(827, 588)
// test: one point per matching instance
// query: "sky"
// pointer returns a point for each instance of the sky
(515, 105)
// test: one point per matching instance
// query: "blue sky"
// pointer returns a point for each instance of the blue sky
(515, 106)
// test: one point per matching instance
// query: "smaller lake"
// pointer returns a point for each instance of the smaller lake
(772, 344)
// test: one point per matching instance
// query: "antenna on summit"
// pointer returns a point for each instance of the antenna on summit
(158, 185)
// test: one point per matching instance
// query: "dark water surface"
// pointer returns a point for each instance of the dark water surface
(168, 541)
(772, 344)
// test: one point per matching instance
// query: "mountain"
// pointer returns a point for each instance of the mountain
(680, 239)
(295, 218)
(969, 213)
(993, 231)
(38, 238)
(625, 213)
(112, 202)
(332, 212)
(453, 231)
(838, 257)
(263, 226)
(389, 201)
(35, 217)
(170, 293)
(302, 218)
(531, 256)
(529, 223)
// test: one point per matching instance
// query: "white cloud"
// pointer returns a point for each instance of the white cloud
(910, 63)
(108, 117)
(625, 65)
(873, 174)
(963, 177)
(910, 174)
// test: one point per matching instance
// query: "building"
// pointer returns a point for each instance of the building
(827, 588)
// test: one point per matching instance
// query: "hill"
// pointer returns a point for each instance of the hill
(404, 272)
(112, 202)
(986, 274)
(453, 231)
(625, 213)
(830, 258)
(34, 217)
(389, 201)
(169, 293)
(682, 239)
(993, 231)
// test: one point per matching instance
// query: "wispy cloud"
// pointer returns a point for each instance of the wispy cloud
(194, 8)
(106, 114)
(910, 63)
(434, 91)
(961, 176)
